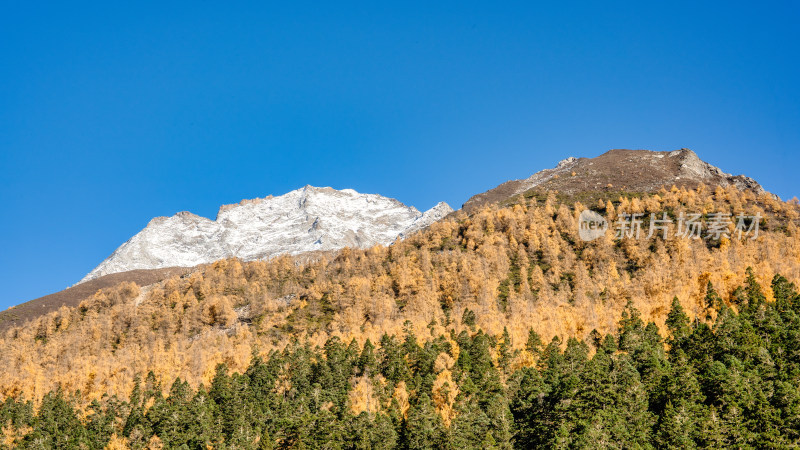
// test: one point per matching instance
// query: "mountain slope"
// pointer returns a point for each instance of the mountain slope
(446, 330)
(303, 220)
(629, 170)
(72, 297)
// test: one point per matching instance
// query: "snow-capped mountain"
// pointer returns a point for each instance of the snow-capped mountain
(303, 220)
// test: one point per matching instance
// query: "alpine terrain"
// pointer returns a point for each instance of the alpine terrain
(304, 220)
(497, 326)
(620, 170)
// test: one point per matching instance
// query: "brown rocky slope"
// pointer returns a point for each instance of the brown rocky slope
(620, 170)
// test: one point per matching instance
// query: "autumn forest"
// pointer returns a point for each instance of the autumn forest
(497, 328)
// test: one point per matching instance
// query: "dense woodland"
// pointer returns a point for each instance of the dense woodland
(497, 329)
(728, 383)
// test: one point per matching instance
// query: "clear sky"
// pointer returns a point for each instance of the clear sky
(111, 115)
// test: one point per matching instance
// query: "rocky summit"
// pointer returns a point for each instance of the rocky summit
(620, 170)
(303, 220)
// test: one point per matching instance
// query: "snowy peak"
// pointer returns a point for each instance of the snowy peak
(303, 220)
(430, 216)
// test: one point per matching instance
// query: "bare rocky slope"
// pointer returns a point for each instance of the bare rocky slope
(304, 220)
(626, 170)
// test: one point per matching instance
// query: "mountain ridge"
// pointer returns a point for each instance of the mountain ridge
(304, 220)
(631, 170)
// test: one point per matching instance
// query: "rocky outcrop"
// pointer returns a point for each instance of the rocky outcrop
(629, 170)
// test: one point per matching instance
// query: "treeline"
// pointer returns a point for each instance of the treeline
(727, 379)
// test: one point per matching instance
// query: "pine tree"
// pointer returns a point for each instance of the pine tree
(392, 362)
(367, 361)
(505, 351)
(712, 301)
(678, 325)
(57, 424)
(755, 296)
(423, 427)
(680, 405)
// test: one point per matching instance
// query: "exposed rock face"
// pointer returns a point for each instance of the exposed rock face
(304, 220)
(631, 170)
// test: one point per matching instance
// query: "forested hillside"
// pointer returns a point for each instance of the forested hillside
(727, 383)
(437, 340)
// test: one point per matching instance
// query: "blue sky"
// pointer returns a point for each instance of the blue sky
(111, 115)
